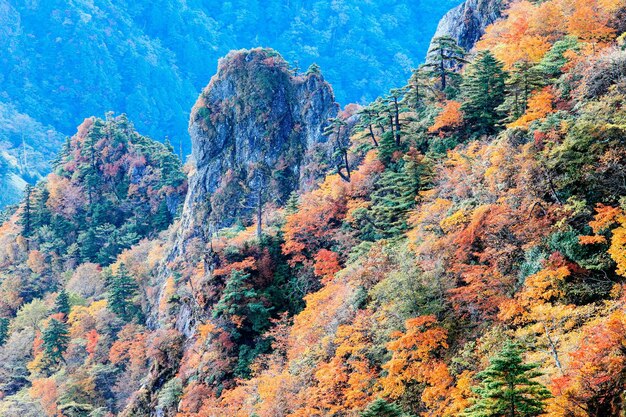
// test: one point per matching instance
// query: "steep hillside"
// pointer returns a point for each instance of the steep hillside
(462, 254)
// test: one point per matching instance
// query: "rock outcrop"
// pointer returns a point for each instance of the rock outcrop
(467, 22)
(254, 130)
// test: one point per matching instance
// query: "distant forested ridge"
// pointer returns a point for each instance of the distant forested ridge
(63, 61)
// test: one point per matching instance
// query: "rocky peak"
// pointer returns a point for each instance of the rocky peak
(254, 131)
(467, 22)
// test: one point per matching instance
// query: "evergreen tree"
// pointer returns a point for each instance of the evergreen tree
(395, 195)
(314, 69)
(162, 218)
(292, 203)
(555, 59)
(62, 303)
(89, 169)
(170, 165)
(25, 219)
(523, 80)
(4, 330)
(40, 213)
(56, 338)
(63, 155)
(337, 132)
(444, 58)
(419, 86)
(88, 245)
(393, 101)
(508, 388)
(241, 299)
(387, 148)
(483, 91)
(381, 408)
(122, 295)
(367, 119)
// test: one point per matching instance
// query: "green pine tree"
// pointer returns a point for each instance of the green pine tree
(381, 408)
(419, 88)
(314, 69)
(63, 155)
(292, 203)
(523, 80)
(387, 148)
(40, 213)
(395, 195)
(367, 120)
(26, 220)
(483, 90)
(240, 298)
(62, 303)
(123, 293)
(4, 330)
(393, 101)
(508, 387)
(162, 218)
(444, 58)
(56, 338)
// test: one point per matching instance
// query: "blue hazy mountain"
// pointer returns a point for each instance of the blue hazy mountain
(62, 61)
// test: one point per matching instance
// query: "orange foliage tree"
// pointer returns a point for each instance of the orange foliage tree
(449, 118)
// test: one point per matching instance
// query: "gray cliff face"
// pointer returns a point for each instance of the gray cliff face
(254, 130)
(467, 22)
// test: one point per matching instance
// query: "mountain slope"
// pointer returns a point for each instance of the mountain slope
(470, 248)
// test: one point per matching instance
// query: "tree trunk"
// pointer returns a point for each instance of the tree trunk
(555, 354)
(373, 136)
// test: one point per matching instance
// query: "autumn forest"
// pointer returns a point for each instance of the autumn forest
(454, 248)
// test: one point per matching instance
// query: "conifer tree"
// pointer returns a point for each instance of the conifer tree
(314, 69)
(418, 88)
(4, 330)
(162, 218)
(55, 341)
(444, 56)
(523, 80)
(393, 101)
(292, 203)
(122, 295)
(483, 90)
(508, 387)
(387, 148)
(381, 408)
(241, 299)
(40, 213)
(62, 303)
(367, 119)
(63, 155)
(25, 219)
(395, 195)
(337, 131)
(89, 170)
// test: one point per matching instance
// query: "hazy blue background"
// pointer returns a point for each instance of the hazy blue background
(64, 60)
